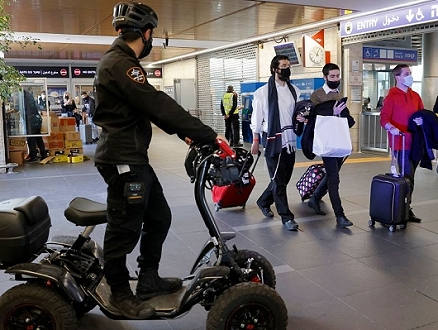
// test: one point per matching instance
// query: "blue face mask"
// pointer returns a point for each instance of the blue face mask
(408, 81)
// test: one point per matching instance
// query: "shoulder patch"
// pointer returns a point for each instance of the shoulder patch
(136, 74)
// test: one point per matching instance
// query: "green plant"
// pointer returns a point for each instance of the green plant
(10, 78)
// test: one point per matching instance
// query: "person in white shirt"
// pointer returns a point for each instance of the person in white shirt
(273, 108)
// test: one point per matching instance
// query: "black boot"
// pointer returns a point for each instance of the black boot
(412, 217)
(313, 203)
(343, 222)
(150, 285)
(130, 306)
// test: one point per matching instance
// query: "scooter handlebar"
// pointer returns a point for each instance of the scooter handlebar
(225, 149)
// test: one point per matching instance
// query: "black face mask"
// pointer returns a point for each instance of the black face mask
(147, 46)
(284, 74)
(333, 84)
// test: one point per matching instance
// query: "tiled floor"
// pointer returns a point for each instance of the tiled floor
(330, 278)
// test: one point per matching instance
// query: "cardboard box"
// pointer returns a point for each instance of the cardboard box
(51, 113)
(52, 122)
(54, 137)
(67, 128)
(73, 143)
(17, 144)
(72, 135)
(76, 159)
(54, 144)
(67, 121)
(16, 157)
(60, 159)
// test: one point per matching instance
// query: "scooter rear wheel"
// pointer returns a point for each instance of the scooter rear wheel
(33, 306)
(263, 270)
(248, 306)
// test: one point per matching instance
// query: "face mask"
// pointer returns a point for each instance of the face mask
(43, 97)
(333, 84)
(408, 81)
(284, 74)
(147, 47)
(66, 97)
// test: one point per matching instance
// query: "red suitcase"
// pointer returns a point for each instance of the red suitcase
(235, 194)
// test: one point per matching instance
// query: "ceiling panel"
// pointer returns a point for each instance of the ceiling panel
(184, 22)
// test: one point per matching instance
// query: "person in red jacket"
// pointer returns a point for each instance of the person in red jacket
(400, 103)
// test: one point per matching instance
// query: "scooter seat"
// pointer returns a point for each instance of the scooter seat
(85, 212)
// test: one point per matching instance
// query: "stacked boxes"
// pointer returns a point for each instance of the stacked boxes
(17, 147)
(65, 145)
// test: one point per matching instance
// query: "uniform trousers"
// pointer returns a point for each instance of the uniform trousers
(232, 131)
(148, 220)
(280, 168)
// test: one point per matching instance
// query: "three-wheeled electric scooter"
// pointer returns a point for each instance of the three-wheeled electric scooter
(63, 278)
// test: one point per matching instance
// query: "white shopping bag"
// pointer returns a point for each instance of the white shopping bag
(331, 137)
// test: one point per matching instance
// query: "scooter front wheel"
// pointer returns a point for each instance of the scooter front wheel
(261, 269)
(33, 306)
(248, 306)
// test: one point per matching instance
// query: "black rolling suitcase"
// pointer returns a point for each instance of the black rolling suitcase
(390, 198)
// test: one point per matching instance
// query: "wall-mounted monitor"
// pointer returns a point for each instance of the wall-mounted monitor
(291, 51)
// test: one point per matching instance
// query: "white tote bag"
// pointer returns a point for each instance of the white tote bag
(331, 137)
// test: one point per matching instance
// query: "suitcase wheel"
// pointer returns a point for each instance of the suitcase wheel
(392, 228)
(216, 207)
(402, 226)
(371, 223)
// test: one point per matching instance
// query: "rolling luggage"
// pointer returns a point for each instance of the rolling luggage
(390, 197)
(235, 194)
(310, 180)
(85, 133)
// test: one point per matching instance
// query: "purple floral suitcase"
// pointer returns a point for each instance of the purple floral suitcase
(310, 180)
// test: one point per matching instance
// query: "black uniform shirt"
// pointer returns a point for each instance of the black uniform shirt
(126, 104)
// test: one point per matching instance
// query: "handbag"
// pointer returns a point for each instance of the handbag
(331, 137)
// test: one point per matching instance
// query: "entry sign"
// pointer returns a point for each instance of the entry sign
(390, 54)
(411, 15)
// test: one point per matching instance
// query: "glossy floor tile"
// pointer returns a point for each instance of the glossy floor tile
(362, 278)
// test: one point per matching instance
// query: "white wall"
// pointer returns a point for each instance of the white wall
(182, 69)
(331, 44)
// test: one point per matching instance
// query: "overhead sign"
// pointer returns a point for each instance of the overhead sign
(412, 15)
(43, 72)
(83, 72)
(154, 72)
(389, 54)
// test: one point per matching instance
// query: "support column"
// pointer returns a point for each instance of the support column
(429, 87)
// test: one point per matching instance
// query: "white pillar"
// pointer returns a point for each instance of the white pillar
(429, 87)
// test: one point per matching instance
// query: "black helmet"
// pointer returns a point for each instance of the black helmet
(134, 15)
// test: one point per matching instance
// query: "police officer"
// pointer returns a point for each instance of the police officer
(230, 112)
(126, 104)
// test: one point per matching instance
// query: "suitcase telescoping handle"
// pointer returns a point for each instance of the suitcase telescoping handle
(255, 163)
(394, 159)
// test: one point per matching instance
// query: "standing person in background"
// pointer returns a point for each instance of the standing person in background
(68, 105)
(329, 91)
(33, 126)
(273, 108)
(42, 102)
(89, 108)
(400, 103)
(230, 112)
